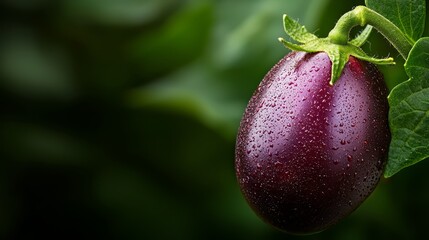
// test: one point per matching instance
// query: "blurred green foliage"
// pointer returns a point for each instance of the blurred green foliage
(119, 117)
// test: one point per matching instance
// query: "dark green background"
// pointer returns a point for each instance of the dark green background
(118, 120)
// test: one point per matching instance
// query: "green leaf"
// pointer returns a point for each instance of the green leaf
(194, 91)
(117, 12)
(407, 15)
(296, 31)
(409, 112)
(30, 67)
(152, 48)
(242, 36)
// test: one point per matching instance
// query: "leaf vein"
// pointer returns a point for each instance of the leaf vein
(399, 15)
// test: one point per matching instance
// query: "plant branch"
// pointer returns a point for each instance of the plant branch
(361, 16)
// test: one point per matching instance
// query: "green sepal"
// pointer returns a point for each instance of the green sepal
(291, 46)
(296, 31)
(338, 54)
(339, 60)
(362, 37)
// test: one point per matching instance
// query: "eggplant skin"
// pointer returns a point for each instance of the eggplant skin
(308, 153)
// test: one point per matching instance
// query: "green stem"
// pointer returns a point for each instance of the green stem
(360, 16)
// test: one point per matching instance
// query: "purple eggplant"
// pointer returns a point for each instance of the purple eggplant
(309, 153)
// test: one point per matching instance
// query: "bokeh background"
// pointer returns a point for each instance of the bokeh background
(118, 120)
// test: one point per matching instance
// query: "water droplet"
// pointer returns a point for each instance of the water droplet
(343, 142)
(349, 157)
(336, 161)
